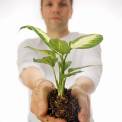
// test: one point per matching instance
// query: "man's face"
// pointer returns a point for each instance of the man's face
(56, 13)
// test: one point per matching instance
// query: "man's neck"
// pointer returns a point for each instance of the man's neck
(57, 33)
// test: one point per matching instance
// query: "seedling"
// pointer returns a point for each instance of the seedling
(58, 52)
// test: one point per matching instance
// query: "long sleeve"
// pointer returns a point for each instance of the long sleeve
(26, 55)
(91, 56)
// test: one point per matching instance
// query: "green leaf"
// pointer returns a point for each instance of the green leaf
(47, 60)
(67, 64)
(60, 64)
(39, 32)
(72, 73)
(86, 41)
(60, 46)
(73, 69)
(45, 52)
(77, 68)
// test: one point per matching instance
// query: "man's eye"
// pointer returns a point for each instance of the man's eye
(49, 4)
(63, 4)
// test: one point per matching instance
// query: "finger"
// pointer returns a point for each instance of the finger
(84, 100)
(59, 120)
(48, 118)
(84, 103)
(84, 114)
(43, 104)
(35, 103)
(81, 118)
(75, 91)
(39, 103)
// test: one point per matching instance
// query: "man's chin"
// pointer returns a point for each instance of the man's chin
(56, 26)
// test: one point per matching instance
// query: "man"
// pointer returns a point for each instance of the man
(56, 14)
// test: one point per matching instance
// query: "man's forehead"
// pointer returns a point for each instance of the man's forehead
(57, 0)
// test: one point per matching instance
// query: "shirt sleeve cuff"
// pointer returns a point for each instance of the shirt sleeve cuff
(91, 73)
(29, 64)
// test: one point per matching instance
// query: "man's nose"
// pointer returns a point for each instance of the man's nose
(56, 9)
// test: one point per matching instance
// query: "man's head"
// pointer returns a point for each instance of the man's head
(56, 13)
(71, 1)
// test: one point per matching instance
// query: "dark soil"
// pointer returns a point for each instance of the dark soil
(65, 107)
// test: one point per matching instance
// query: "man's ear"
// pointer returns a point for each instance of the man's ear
(41, 13)
(70, 15)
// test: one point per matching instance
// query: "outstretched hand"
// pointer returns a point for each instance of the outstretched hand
(39, 102)
(84, 103)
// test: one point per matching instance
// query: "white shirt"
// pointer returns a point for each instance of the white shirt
(79, 58)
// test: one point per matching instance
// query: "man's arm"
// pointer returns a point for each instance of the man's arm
(81, 89)
(31, 77)
(40, 87)
(85, 84)
(87, 81)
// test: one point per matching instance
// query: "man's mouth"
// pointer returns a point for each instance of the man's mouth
(55, 18)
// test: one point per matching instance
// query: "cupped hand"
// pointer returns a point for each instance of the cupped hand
(47, 118)
(84, 103)
(39, 101)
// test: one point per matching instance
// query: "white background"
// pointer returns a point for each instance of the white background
(90, 16)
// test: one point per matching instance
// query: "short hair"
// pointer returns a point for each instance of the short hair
(70, 1)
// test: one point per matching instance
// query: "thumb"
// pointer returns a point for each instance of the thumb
(43, 92)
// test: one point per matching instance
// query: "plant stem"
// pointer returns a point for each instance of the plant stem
(61, 75)
(55, 78)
